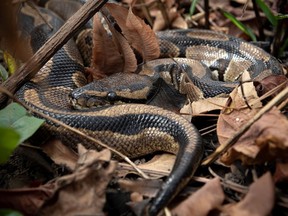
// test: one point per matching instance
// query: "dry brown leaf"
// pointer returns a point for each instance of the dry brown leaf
(161, 164)
(208, 104)
(264, 141)
(60, 153)
(281, 173)
(157, 167)
(26, 200)
(136, 197)
(237, 112)
(122, 44)
(145, 187)
(175, 20)
(106, 58)
(82, 192)
(233, 118)
(159, 23)
(268, 83)
(207, 198)
(141, 37)
(128, 56)
(179, 23)
(258, 201)
(103, 47)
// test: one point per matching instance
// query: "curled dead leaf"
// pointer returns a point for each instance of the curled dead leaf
(281, 173)
(264, 141)
(146, 187)
(175, 20)
(60, 153)
(107, 57)
(139, 35)
(159, 166)
(236, 113)
(258, 201)
(82, 192)
(207, 198)
(269, 83)
(26, 200)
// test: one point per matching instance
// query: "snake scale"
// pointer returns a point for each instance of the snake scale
(138, 129)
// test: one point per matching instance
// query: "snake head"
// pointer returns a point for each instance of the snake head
(119, 88)
(82, 98)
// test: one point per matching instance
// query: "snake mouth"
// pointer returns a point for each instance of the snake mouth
(98, 102)
(87, 103)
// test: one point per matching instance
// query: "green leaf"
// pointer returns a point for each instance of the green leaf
(282, 16)
(240, 25)
(9, 139)
(7, 212)
(16, 126)
(16, 117)
(3, 73)
(270, 16)
(192, 7)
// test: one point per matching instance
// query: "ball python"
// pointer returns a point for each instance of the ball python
(135, 129)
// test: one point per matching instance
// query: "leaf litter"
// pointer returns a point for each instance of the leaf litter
(263, 146)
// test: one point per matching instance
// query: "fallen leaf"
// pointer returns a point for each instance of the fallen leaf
(258, 201)
(269, 83)
(145, 187)
(28, 167)
(264, 141)
(60, 153)
(159, 166)
(236, 112)
(136, 197)
(82, 192)
(26, 200)
(103, 45)
(160, 22)
(207, 198)
(208, 104)
(139, 35)
(281, 173)
(142, 37)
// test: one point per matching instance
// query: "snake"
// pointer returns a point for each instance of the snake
(137, 129)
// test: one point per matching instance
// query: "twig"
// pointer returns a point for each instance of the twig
(244, 96)
(74, 130)
(32, 66)
(281, 32)
(258, 21)
(283, 95)
(207, 14)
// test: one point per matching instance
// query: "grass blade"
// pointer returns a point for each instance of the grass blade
(240, 25)
(268, 13)
(192, 7)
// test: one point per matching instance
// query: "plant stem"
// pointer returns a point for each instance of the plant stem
(259, 21)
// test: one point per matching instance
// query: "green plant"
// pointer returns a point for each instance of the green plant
(16, 125)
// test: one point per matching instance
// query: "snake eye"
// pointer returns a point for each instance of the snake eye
(111, 96)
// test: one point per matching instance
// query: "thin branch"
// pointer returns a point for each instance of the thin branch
(258, 21)
(207, 14)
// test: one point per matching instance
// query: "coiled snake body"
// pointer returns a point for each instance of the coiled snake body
(136, 129)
